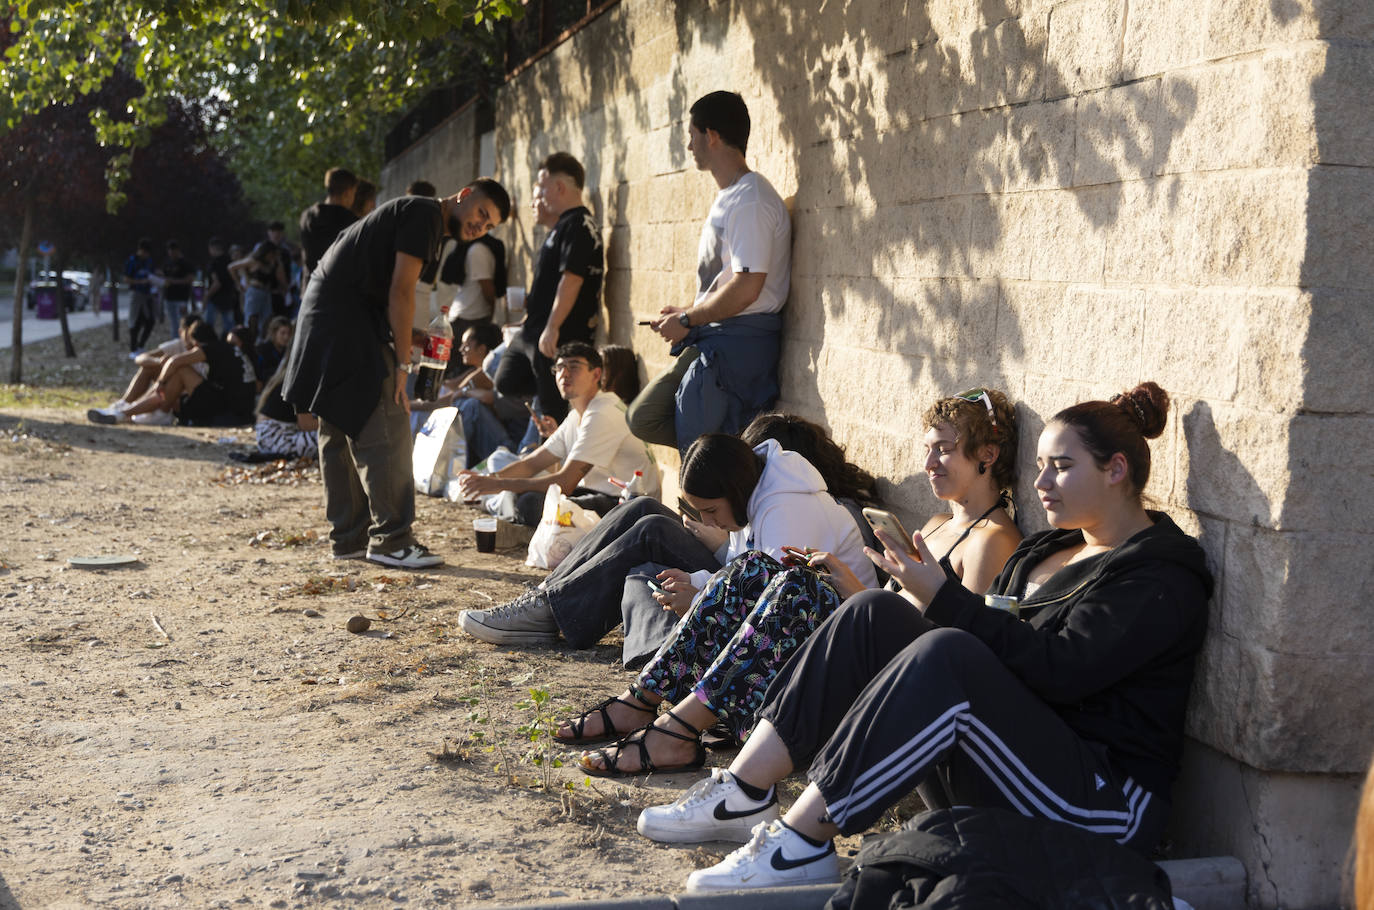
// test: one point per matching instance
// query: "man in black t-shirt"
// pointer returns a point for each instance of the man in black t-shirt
(564, 298)
(222, 292)
(177, 274)
(350, 357)
(324, 221)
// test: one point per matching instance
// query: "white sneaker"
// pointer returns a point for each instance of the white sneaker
(775, 856)
(106, 416)
(713, 809)
(151, 418)
(415, 556)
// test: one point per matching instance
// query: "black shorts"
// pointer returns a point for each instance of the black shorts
(204, 403)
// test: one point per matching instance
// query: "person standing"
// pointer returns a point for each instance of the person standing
(138, 270)
(286, 260)
(350, 357)
(726, 343)
(222, 294)
(323, 221)
(565, 295)
(176, 274)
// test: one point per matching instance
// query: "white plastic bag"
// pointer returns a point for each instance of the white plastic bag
(562, 525)
(440, 452)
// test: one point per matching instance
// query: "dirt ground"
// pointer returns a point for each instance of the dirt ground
(199, 729)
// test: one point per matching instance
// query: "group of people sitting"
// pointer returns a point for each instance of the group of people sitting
(1046, 675)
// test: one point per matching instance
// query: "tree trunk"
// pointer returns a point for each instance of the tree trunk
(59, 266)
(20, 281)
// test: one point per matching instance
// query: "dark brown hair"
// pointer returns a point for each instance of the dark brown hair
(563, 164)
(620, 372)
(721, 466)
(1121, 425)
(843, 479)
(974, 430)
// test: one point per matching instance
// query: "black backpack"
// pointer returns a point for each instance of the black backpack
(455, 266)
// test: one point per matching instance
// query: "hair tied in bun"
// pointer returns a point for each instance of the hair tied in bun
(1121, 400)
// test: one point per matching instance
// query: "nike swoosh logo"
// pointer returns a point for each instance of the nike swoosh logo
(723, 814)
(782, 863)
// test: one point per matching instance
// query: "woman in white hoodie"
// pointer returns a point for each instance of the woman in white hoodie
(761, 498)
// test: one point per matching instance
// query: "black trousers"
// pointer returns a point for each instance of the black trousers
(880, 701)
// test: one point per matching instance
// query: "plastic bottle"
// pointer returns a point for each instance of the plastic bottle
(636, 487)
(434, 360)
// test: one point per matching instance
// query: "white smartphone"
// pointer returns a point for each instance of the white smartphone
(882, 520)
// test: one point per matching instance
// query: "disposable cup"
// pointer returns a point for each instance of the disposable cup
(485, 528)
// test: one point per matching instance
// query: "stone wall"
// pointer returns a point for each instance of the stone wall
(1057, 199)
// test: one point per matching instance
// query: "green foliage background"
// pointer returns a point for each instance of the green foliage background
(304, 85)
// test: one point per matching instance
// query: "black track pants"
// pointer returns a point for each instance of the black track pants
(881, 700)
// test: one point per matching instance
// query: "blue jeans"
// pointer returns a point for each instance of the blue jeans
(221, 319)
(586, 589)
(482, 429)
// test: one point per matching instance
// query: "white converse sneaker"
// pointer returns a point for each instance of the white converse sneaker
(774, 857)
(150, 418)
(713, 809)
(414, 556)
(527, 620)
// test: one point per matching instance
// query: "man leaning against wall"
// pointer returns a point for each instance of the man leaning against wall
(726, 343)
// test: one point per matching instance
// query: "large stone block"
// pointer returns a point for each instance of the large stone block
(1325, 453)
(1251, 229)
(1239, 26)
(1340, 228)
(1193, 341)
(1003, 234)
(1018, 45)
(1151, 233)
(1039, 146)
(1273, 372)
(1160, 35)
(1236, 462)
(950, 323)
(1299, 593)
(1335, 358)
(1071, 234)
(1291, 831)
(1051, 325)
(925, 240)
(1115, 136)
(858, 313)
(1084, 49)
(1281, 712)
(1341, 88)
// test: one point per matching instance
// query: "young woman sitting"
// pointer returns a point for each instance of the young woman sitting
(755, 614)
(759, 498)
(1072, 711)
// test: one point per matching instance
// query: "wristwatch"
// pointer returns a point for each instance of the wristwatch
(685, 320)
(406, 367)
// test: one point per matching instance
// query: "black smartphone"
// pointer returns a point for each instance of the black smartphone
(686, 509)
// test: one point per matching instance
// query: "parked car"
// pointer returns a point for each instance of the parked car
(76, 287)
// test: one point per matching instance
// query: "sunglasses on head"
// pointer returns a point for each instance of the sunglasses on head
(977, 395)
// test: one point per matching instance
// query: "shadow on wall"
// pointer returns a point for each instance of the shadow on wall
(7, 898)
(947, 157)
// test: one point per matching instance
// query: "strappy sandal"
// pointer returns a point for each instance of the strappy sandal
(646, 764)
(608, 729)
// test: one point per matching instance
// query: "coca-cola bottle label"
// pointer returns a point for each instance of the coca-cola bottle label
(438, 347)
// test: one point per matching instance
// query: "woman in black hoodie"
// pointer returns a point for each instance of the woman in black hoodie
(1070, 711)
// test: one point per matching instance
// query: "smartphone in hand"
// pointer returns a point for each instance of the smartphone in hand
(686, 509)
(793, 556)
(883, 520)
(658, 588)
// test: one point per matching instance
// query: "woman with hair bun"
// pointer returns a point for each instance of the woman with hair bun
(1071, 711)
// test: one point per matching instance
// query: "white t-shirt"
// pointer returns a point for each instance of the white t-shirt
(601, 437)
(468, 302)
(174, 347)
(747, 230)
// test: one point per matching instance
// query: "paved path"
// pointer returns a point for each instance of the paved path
(36, 329)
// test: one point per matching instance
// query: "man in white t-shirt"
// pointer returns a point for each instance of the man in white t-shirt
(593, 444)
(469, 281)
(726, 342)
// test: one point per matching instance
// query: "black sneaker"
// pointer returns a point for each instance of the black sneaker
(415, 556)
